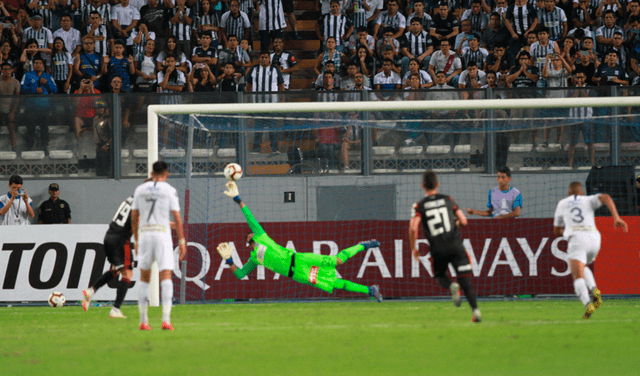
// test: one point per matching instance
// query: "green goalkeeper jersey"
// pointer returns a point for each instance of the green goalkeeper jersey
(267, 252)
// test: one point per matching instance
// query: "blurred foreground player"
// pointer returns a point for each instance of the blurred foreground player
(440, 218)
(307, 268)
(118, 251)
(574, 219)
(153, 202)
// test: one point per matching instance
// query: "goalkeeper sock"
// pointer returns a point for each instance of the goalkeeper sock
(103, 280)
(469, 292)
(346, 254)
(589, 279)
(581, 291)
(343, 284)
(143, 301)
(121, 292)
(167, 295)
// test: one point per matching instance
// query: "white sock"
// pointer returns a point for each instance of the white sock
(581, 291)
(167, 295)
(589, 279)
(143, 301)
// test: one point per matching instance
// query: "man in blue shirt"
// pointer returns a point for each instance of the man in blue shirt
(38, 82)
(504, 201)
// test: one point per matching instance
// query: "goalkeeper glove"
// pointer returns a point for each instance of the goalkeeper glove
(225, 252)
(232, 191)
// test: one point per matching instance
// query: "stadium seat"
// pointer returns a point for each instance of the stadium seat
(140, 153)
(172, 153)
(202, 153)
(8, 155)
(227, 153)
(60, 154)
(462, 149)
(32, 155)
(410, 150)
(124, 153)
(438, 149)
(520, 148)
(383, 150)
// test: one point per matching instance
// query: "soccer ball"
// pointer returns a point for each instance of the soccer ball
(233, 171)
(57, 300)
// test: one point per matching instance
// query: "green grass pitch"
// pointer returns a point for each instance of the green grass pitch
(523, 337)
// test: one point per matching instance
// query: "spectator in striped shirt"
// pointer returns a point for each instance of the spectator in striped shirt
(45, 9)
(521, 19)
(477, 17)
(613, 6)
(417, 45)
(361, 38)
(236, 55)
(540, 50)
(554, 19)
(61, 66)
(391, 18)
(141, 35)
(207, 22)
(583, 16)
(419, 13)
(474, 52)
(271, 22)
(235, 22)
(42, 35)
(284, 60)
(583, 115)
(100, 34)
(180, 26)
(387, 79)
(334, 25)
(103, 9)
(604, 34)
(356, 12)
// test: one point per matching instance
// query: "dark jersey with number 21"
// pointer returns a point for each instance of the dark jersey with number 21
(437, 213)
(121, 223)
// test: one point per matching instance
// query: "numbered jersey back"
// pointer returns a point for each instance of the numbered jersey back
(121, 222)
(437, 213)
(576, 213)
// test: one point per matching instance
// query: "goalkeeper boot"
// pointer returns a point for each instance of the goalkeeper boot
(166, 325)
(455, 294)
(145, 326)
(116, 313)
(590, 309)
(370, 244)
(476, 316)
(375, 292)
(87, 294)
(597, 298)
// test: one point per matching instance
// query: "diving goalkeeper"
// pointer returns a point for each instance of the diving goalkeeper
(307, 268)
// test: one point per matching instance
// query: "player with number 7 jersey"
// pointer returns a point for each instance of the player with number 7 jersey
(440, 218)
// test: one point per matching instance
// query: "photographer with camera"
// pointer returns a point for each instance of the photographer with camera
(12, 208)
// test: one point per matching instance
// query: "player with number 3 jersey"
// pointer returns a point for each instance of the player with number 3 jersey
(440, 218)
(574, 219)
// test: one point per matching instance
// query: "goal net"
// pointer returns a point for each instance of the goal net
(322, 176)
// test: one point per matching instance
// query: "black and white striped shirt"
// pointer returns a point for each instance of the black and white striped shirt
(179, 29)
(358, 17)
(101, 47)
(553, 21)
(521, 18)
(271, 15)
(60, 62)
(426, 21)
(246, 6)
(606, 33)
(45, 12)
(334, 26)
(417, 44)
(103, 9)
(479, 21)
(539, 53)
(44, 36)
(207, 19)
(396, 21)
(264, 78)
(235, 25)
(479, 56)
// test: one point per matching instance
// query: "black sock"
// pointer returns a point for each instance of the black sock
(469, 292)
(445, 282)
(103, 280)
(123, 286)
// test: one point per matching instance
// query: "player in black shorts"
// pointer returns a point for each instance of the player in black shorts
(118, 250)
(440, 218)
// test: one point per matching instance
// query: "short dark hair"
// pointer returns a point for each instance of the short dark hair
(38, 58)
(15, 179)
(120, 42)
(542, 29)
(5, 63)
(160, 167)
(361, 29)
(505, 170)
(429, 180)
(472, 64)
(500, 45)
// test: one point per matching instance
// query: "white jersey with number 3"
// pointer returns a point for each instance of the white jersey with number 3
(576, 213)
(155, 201)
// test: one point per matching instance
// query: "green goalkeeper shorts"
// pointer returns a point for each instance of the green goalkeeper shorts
(315, 270)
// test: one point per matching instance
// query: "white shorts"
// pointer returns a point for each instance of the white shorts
(155, 246)
(584, 246)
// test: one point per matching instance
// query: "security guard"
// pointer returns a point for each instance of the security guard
(54, 210)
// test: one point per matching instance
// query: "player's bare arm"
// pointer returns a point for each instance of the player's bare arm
(482, 213)
(617, 221)
(414, 228)
(462, 219)
(558, 231)
(135, 223)
(182, 244)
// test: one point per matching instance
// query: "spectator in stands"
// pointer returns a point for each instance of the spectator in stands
(477, 17)
(287, 7)
(356, 12)
(330, 67)
(414, 69)
(271, 22)
(387, 53)
(445, 25)
(208, 54)
(568, 50)
(521, 19)
(417, 46)
(8, 106)
(229, 80)
(62, 66)
(327, 83)
(28, 55)
(612, 6)
(141, 35)
(554, 19)
(499, 60)
(524, 74)
(154, 16)
(583, 116)
(124, 18)
(443, 91)
(38, 82)
(172, 48)
(446, 61)
(472, 78)
(391, 18)
(583, 16)
(284, 60)
(70, 36)
(492, 81)
(85, 112)
(88, 62)
(103, 9)
(633, 12)
(206, 22)
(239, 57)
(351, 138)
(336, 25)
(556, 71)
(54, 211)
(587, 62)
(361, 38)
(201, 78)
(372, 10)
(180, 20)
(462, 38)
(496, 33)
(100, 34)
(170, 79)
(358, 82)
(604, 34)
(332, 54)
(235, 22)
(44, 10)
(610, 73)
(102, 136)
(419, 13)
(474, 52)
(540, 50)
(12, 6)
(349, 80)
(364, 61)
(22, 22)
(7, 55)
(119, 65)
(387, 79)
(42, 35)
(623, 55)
(387, 40)
(16, 207)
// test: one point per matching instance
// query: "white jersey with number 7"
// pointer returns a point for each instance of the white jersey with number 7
(155, 201)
